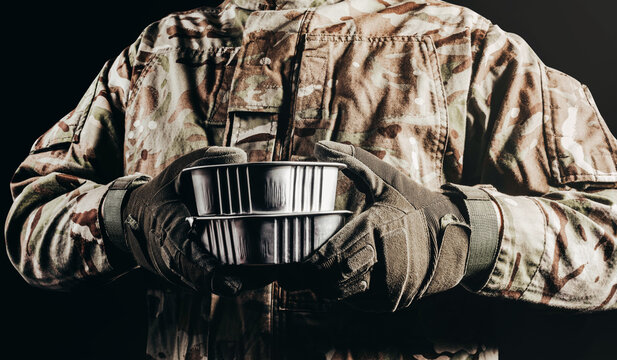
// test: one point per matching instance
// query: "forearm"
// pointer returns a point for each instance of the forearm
(57, 243)
(548, 151)
(557, 249)
(53, 232)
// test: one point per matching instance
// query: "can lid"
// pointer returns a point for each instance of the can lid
(193, 219)
(271, 163)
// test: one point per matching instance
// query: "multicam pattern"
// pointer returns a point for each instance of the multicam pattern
(432, 88)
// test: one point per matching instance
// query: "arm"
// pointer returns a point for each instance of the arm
(76, 219)
(53, 233)
(553, 162)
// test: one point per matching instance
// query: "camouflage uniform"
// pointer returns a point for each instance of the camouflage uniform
(432, 88)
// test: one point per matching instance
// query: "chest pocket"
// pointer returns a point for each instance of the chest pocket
(259, 92)
(177, 104)
(383, 94)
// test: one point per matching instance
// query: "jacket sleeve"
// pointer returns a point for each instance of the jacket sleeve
(551, 162)
(53, 234)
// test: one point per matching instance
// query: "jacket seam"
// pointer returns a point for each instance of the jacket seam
(441, 107)
(147, 66)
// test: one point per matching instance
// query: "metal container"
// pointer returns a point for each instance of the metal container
(264, 187)
(266, 239)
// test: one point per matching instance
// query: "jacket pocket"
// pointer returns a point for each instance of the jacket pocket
(580, 147)
(259, 92)
(263, 73)
(177, 104)
(384, 94)
(178, 79)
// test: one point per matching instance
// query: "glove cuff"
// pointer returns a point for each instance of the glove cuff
(112, 208)
(484, 239)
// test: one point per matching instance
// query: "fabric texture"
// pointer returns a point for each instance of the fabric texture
(433, 89)
(408, 243)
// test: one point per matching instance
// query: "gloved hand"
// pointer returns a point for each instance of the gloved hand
(408, 243)
(160, 239)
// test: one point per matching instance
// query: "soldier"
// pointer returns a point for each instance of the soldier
(476, 164)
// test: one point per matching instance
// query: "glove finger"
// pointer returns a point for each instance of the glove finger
(365, 179)
(347, 255)
(192, 275)
(213, 155)
(171, 172)
(225, 285)
(369, 171)
(230, 280)
(343, 289)
(196, 252)
(340, 249)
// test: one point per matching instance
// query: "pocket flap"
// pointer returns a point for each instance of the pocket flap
(263, 72)
(580, 146)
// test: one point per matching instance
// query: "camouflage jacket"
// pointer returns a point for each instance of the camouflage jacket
(432, 88)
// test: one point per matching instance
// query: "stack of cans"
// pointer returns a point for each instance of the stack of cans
(265, 212)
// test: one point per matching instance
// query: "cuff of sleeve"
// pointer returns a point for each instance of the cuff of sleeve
(112, 208)
(484, 239)
(522, 246)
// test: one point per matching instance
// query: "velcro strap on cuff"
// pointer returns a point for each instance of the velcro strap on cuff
(112, 207)
(484, 240)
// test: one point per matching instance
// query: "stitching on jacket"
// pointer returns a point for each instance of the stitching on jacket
(441, 107)
(551, 152)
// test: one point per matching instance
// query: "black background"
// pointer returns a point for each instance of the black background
(54, 50)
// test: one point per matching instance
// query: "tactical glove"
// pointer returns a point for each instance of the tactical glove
(409, 242)
(155, 233)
